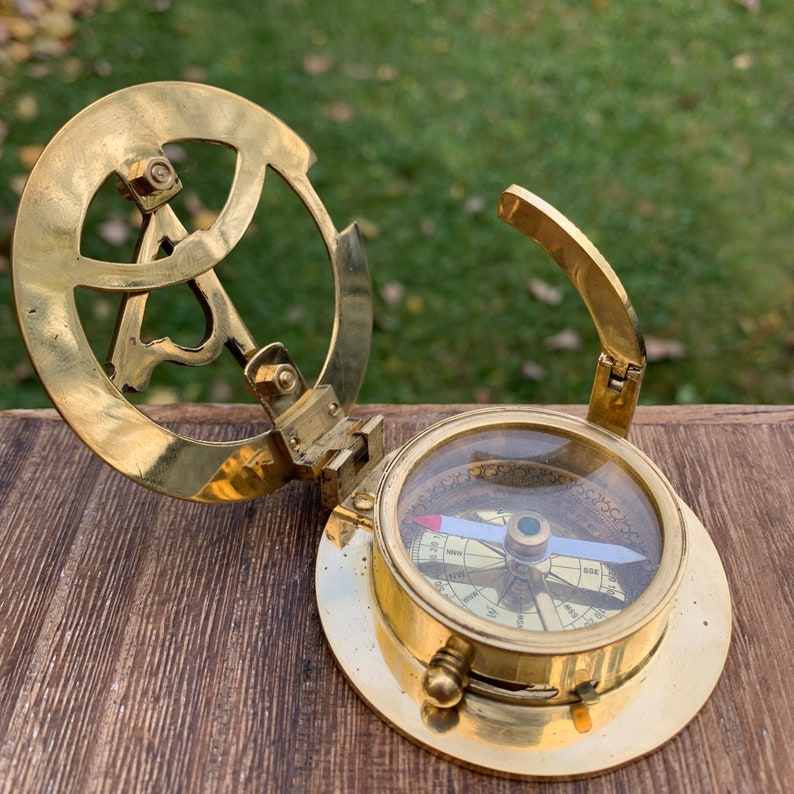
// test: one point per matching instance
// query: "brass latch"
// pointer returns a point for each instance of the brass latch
(447, 675)
(586, 692)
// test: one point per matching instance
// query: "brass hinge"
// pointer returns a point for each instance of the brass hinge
(310, 427)
(615, 392)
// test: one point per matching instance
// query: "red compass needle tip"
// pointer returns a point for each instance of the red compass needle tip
(431, 522)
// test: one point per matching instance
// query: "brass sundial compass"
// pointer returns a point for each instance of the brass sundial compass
(516, 589)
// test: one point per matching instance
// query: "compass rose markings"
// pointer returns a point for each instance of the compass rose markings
(477, 554)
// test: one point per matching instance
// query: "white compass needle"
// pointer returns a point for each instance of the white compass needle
(495, 533)
(589, 550)
(463, 528)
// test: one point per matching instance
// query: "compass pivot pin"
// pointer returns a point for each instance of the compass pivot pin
(527, 537)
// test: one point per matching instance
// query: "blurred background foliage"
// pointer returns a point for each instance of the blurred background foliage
(664, 130)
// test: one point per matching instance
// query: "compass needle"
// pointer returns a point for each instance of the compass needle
(462, 528)
(587, 550)
(554, 544)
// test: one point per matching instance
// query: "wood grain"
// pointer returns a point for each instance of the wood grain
(160, 646)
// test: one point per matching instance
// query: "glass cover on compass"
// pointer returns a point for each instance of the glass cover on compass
(528, 529)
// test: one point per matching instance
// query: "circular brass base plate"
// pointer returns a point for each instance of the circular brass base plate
(532, 741)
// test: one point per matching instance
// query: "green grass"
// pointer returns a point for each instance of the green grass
(664, 130)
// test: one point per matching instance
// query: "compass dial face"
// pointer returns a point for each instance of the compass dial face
(528, 529)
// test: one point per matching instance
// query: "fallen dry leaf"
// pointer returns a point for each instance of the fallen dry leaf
(220, 392)
(100, 67)
(484, 396)
(175, 153)
(192, 201)
(115, 231)
(162, 395)
(415, 304)
(545, 293)
(387, 73)
(28, 155)
(71, 69)
(531, 370)
(392, 293)
(647, 208)
(27, 107)
(657, 349)
(19, 28)
(40, 28)
(23, 371)
(18, 182)
(103, 308)
(565, 340)
(743, 61)
(194, 74)
(296, 313)
(474, 205)
(340, 111)
(427, 227)
(18, 51)
(318, 63)
(204, 219)
(56, 24)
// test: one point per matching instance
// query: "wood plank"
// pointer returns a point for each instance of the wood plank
(148, 644)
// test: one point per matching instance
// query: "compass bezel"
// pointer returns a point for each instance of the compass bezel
(423, 619)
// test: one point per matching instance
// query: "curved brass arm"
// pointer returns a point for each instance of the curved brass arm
(621, 364)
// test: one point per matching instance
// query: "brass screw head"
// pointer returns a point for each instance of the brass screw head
(364, 502)
(286, 379)
(271, 380)
(152, 175)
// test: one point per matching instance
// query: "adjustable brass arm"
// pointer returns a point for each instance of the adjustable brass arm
(622, 361)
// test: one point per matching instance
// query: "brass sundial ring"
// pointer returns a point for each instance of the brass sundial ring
(122, 135)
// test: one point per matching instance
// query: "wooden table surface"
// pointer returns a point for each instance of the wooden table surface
(148, 644)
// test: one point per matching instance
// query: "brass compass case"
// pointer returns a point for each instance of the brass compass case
(516, 589)
(535, 599)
